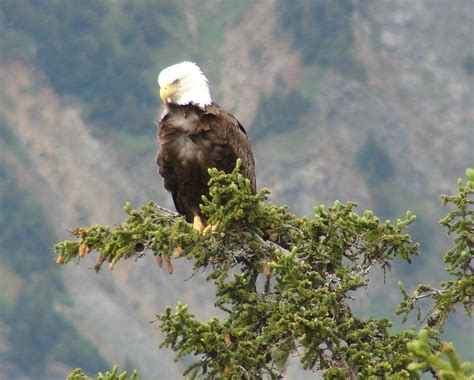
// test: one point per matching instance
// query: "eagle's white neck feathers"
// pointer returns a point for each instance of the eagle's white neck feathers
(188, 84)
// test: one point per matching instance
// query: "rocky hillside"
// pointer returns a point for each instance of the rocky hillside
(362, 100)
(415, 100)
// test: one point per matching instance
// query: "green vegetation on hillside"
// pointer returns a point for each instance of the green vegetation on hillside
(373, 162)
(322, 31)
(96, 50)
(273, 116)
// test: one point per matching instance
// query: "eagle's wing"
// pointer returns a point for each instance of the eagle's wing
(226, 131)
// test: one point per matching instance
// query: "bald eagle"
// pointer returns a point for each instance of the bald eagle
(195, 134)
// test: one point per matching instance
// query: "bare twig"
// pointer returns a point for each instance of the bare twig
(244, 372)
(365, 270)
(429, 294)
(270, 244)
(165, 210)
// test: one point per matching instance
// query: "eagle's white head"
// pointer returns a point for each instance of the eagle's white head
(184, 83)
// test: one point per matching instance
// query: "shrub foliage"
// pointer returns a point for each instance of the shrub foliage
(283, 282)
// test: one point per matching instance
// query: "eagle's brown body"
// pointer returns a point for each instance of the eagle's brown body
(192, 140)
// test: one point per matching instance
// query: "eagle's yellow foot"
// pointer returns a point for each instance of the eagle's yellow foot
(210, 227)
(198, 224)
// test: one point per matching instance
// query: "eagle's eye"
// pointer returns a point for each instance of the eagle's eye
(176, 81)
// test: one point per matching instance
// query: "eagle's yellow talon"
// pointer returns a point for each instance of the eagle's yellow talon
(210, 227)
(198, 224)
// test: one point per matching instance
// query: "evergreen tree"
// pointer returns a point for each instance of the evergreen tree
(284, 283)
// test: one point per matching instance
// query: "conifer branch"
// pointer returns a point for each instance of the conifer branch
(309, 267)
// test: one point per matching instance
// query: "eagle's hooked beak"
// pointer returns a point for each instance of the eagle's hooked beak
(166, 92)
